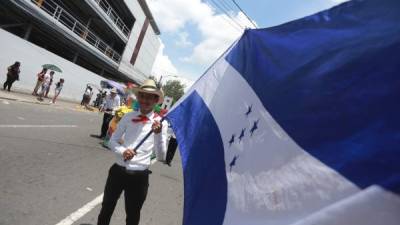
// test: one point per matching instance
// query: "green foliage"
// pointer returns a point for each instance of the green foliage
(174, 89)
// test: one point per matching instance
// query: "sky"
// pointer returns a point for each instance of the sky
(194, 33)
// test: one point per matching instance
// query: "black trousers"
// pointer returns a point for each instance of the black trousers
(8, 83)
(135, 188)
(172, 145)
(106, 121)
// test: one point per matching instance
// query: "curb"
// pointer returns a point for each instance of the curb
(23, 100)
(42, 103)
(10, 99)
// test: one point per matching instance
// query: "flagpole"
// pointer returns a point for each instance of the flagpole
(145, 137)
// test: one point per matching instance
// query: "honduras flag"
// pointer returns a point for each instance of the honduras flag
(298, 124)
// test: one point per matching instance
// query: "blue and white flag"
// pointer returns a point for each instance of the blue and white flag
(298, 124)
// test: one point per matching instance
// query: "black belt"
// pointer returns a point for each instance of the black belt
(133, 172)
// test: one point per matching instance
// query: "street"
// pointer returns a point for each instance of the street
(50, 167)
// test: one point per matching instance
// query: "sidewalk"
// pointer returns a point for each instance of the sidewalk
(20, 96)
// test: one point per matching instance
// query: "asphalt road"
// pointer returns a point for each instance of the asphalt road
(47, 173)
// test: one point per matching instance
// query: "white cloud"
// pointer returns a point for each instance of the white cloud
(183, 40)
(339, 1)
(218, 31)
(172, 15)
(218, 34)
(163, 65)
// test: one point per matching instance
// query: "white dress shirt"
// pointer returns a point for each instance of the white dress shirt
(88, 92)
(46, 79)
(130, 133)
(111, 103)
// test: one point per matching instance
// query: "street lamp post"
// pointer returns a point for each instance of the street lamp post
(159, 81)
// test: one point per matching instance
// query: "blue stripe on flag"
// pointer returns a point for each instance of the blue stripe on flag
(202, 155)
(332, 82)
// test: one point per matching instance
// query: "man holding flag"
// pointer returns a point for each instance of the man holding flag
(313, 130)
(131, 171)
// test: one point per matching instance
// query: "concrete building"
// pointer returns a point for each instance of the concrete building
(89, 40)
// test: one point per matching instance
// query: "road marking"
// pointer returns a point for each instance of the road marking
(5, 102)
(75, 216)
(35, 126)
(21, 118)
(69, 220)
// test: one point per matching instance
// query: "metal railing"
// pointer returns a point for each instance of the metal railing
(107, 9)
(62, 16)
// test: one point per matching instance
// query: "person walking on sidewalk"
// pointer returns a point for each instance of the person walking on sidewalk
(48, 87)
(111, 103)
(172, 146)
(87, 96)
(12, 75)
(45, 85)
(39, 82)
(57, 90)
(131, 171)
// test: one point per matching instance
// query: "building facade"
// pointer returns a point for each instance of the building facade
(89, 39)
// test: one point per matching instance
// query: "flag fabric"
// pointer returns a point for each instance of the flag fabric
(298, 124)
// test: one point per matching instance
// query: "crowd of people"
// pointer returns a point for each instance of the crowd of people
(130, 172)
(88, 94)
(44, 82)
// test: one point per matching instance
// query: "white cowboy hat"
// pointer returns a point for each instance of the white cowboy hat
(114, 90)
(149, 86)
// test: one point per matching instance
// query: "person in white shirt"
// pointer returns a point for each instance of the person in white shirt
(131, 171)
(87, 95)
(109, 106)
(46, 84)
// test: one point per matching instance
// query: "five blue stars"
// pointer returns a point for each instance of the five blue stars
(241, 136)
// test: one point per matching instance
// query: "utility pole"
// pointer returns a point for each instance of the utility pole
(251, 21)
(159, 82)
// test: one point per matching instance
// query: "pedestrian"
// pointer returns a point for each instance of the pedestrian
(109, 106)
(131, 171)
(87, 95)
(84, 93)
(98, 99)
(45, 85)
(172, 146)
(103, 97)
(48, 87)
(39, 82)
(12, 75)
(57, 90)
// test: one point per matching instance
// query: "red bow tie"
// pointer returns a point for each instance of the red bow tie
(140, 119)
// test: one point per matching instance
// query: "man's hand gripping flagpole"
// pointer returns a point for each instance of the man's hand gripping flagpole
(128, 156)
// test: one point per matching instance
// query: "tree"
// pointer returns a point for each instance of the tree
(174, 89)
